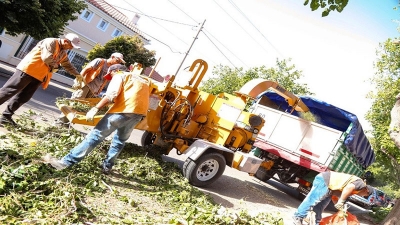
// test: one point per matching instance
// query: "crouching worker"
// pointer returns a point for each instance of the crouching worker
(326, 185)
(130, 95)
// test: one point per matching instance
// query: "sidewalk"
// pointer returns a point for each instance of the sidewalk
(44, 106)
(6, 69)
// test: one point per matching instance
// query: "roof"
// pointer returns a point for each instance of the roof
(117, 15)
(155, 76)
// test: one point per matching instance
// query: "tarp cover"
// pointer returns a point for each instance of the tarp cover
(336, 118)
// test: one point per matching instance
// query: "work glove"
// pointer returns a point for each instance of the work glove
(90, 115)
(77, 85)
(79, 78)
(340, 205)
(54, 69)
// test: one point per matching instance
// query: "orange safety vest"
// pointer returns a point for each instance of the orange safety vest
(134, 97)
(339, 180)
(91, 74)
(33, 65)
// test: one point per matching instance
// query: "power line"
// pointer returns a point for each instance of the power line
(191, 19)
(244, 15)
(241, 27)
(183, 12)
(223, 54)
(159, 25)
(226, 49)
(153, 17)
(211, 36)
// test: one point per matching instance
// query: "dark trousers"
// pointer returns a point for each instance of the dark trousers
(20, 89)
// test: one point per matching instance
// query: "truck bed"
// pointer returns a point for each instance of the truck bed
(336, 131)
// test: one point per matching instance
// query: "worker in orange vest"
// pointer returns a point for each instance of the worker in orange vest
(36, 69)
(326, 185)
(129, 95)
(93, 81)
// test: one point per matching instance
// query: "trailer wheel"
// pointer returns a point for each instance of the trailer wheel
(205, 170)
(147, 138)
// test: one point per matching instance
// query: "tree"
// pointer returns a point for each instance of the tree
(327, 5)
(229, 80)
(38, 18)
(132, 47)
(386, 81)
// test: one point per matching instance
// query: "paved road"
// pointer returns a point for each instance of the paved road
(235, 190)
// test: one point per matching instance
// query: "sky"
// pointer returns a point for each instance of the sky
(336, 53)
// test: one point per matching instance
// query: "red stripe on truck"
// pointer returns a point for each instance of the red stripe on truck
(309, 153)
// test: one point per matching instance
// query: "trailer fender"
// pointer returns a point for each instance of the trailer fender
(199, 147)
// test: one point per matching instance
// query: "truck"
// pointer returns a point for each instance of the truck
(296, 147)
(213, 131)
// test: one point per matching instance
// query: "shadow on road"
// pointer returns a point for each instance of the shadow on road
(236, 185)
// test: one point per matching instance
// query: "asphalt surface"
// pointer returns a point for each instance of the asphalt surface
(234, 190)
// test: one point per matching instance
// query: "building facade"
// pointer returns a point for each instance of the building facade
(97, 24)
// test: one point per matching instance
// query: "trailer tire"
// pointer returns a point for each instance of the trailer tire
(147, 139)
(205, 170)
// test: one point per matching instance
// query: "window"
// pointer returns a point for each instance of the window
(102, 25)
(116, 33)
(87, 15)
(77, 60)
(27, 45)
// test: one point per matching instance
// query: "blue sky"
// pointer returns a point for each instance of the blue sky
(335, 53)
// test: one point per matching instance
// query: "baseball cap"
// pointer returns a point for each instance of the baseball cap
(118, 55)
(113, 68)
(74, 39)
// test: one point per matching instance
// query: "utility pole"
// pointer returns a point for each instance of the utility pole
(198, 32)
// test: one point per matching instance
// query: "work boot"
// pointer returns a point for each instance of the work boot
(54, 162)
(297, 220)
(7, 120)
(59, 122)
(104, 169)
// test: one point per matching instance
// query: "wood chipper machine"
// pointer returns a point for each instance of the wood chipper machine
(212, 130)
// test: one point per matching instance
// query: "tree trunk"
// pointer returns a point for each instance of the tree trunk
(393, 217)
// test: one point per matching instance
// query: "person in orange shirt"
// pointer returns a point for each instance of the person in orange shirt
(326, 186)
(130, 94)
(36, 69)
(93, 81)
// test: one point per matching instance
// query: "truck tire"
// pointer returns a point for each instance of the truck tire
(205, 170)
(263, 174)
(147, 139)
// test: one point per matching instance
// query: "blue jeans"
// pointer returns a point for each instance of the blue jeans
(317, 200)
(122, 123)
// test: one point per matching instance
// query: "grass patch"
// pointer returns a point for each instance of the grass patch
(143, 189)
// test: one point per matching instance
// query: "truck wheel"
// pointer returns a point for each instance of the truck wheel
(205, 170)
(263, 174)
(147, 139)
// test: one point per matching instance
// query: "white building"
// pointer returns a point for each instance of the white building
(98, 23)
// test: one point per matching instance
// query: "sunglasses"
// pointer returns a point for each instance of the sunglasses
(118, 60)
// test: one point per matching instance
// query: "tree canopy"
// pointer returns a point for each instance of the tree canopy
(386, 86)
(327, 5)
(132, 47)
(229, 80)
(386, 82)
(38, 18)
